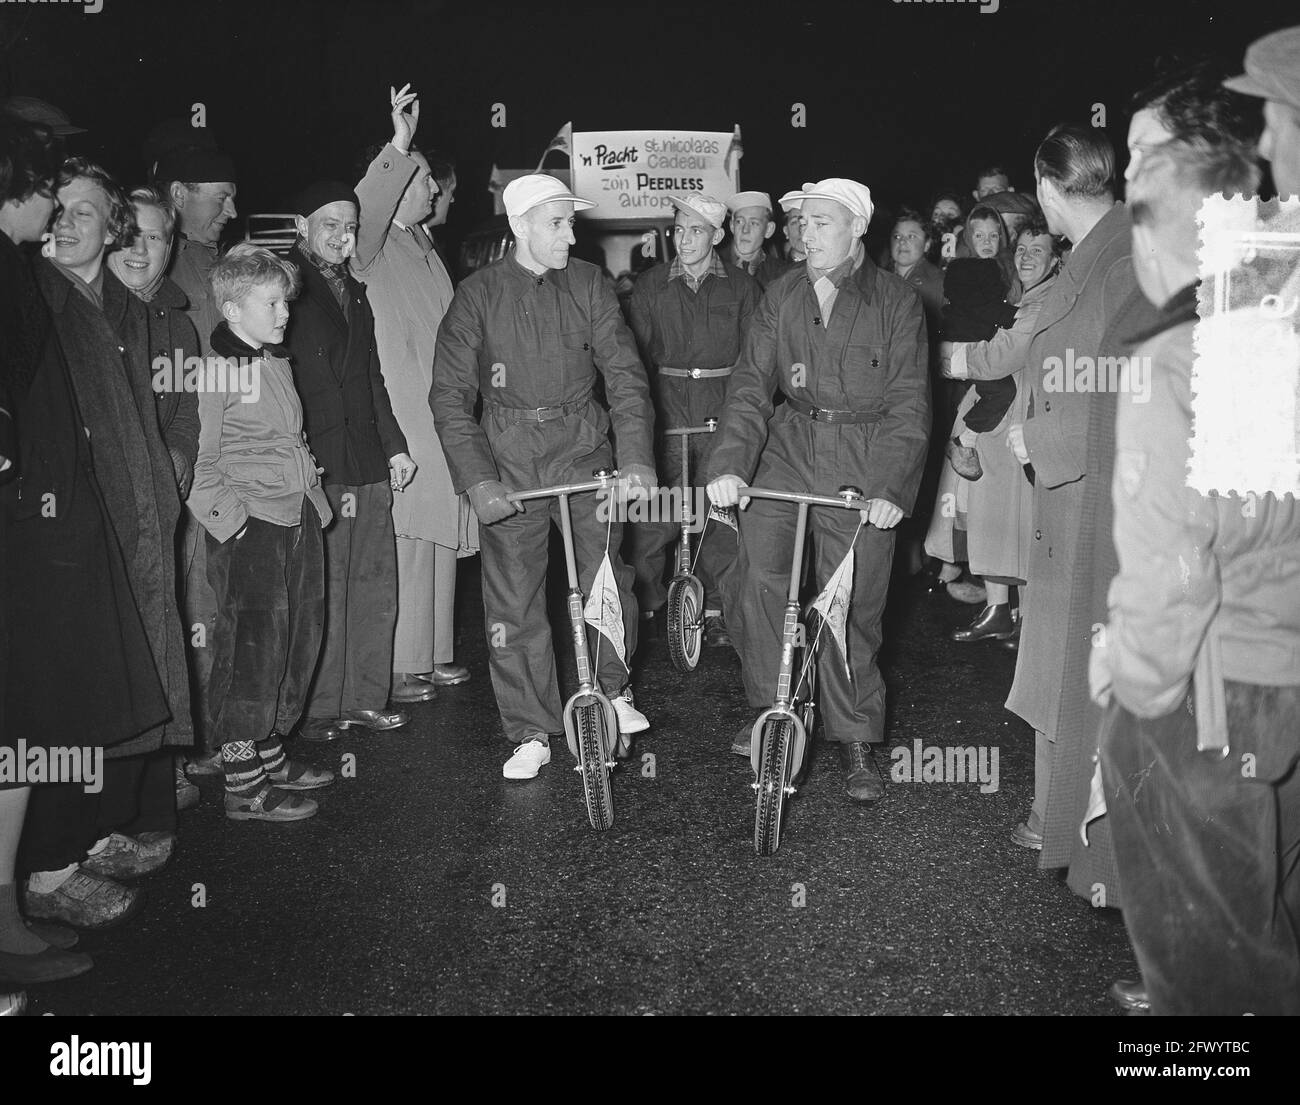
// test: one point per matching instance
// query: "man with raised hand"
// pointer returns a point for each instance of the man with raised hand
(529, 335)
(690, 319)
(845, 345)
(409, 291)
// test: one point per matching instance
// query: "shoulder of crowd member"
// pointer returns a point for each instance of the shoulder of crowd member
(170, 294)
(655, 278)
(782, 286)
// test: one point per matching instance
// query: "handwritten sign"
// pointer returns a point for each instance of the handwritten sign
(629, 174)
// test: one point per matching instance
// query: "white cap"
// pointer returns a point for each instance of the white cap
(852, 195)
(524, 193)
(750, 199)
(712, 211)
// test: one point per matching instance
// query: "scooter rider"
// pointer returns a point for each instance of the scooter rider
(529, 334)
(690, 318)
(845, 344)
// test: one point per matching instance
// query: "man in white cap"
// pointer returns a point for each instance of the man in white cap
(752, 225)
(845, 345)
(793, 252)
(1273, 74)
(690, 319)
(529, 335)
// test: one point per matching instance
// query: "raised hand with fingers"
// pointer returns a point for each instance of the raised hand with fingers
(404, 121)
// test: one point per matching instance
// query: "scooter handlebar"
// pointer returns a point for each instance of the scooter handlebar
(604, 480)
(850, 498)
(710, 426)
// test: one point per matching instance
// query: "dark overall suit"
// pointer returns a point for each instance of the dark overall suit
(871, 359)
(352, 433)
(533, 347)
(680, 331)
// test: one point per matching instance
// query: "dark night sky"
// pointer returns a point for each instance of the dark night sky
(907, 97)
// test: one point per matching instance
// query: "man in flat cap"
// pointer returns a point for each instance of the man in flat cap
(1273, 74)
(690, 317)
(752, 224)
(845, 345)
(529, 335)
(201, 182)
(355, 438)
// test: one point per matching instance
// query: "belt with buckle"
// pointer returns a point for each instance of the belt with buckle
(820, 414)
(696, 373)
(538, 414)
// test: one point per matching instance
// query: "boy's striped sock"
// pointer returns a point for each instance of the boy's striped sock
(243, 766)
(271, 752)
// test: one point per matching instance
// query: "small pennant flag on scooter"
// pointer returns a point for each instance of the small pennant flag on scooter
(604, 611)
(833, 605)
(724, 514)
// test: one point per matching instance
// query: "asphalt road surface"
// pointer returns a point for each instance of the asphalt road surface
(429, 884)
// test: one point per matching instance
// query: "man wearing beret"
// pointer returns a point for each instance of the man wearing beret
(355, 438)
(752, 224)
(690, 319)
(845, 345)
(529, 335)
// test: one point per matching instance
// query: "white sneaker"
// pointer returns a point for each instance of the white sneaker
(528, 758)
(630, 719)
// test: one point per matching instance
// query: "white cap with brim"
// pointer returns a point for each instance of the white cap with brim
(714, 212)
(524, 193)
(791, 201)
(749, 199)
(848, 193)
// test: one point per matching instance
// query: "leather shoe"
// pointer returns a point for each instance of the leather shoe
(445, 675)
(295, 775)
(1012, 643)
(1131, 994)
(320, 729)
(411, 688)
(58, 936)
(1027, 838)
(964, 460)
(187, 794)
(85, 901)
(269, 804)
(125, 857)
(992, 623)
(740, 742)
(376, 720)
(967, 591)
(715, 631)
(206, 763)
(861, 776)
(49, 965)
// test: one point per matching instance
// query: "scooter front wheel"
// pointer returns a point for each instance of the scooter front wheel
(685, 629)
(773, 779)
(593, 763)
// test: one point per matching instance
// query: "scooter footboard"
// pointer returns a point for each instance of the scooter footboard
(798, 744)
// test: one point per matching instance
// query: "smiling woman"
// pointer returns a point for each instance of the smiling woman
(93, 214)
